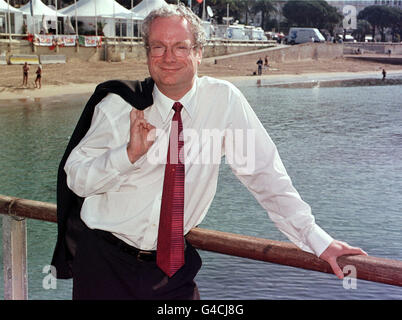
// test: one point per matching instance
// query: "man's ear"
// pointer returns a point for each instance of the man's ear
(199, 55)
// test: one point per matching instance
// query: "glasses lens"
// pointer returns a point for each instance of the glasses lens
(157, 51)
(179, 50)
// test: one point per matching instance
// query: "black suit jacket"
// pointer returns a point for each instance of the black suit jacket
(69, 223)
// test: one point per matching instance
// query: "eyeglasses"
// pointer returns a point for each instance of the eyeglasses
(179, 50)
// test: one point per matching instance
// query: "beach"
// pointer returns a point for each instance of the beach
(76, 77)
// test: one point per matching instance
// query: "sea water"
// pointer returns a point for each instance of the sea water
(342, 147)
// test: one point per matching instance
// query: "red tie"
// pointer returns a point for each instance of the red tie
(170, 250)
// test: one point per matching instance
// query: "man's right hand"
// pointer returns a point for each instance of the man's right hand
(142, 135)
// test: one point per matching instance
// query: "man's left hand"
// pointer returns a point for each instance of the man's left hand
(337, 249)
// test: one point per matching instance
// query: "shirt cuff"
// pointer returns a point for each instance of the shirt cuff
(119, 160)
(318, 240)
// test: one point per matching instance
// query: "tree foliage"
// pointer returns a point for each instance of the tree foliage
(382, 17)
(265, 7)
(363, 28)
(311, 13)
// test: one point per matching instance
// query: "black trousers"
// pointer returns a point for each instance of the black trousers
(103, 271)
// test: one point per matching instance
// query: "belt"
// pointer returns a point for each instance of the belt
(141, 255)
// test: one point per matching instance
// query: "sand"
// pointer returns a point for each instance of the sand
(82, 77)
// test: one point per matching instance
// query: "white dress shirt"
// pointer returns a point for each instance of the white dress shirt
(125, 198)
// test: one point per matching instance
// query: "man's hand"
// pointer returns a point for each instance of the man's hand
(142, 135)
(335, 250)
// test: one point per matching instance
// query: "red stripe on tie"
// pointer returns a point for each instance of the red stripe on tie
(170, 249)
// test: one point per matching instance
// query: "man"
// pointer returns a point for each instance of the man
(259, 63)
(147, 177)
(38, 80)
(25, 70)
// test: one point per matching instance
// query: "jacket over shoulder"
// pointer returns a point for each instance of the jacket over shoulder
(69, 224)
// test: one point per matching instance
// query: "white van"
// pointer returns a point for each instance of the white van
(207, 28)
(303, 35)
(236, 32)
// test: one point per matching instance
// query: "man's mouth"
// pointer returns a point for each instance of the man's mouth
(170, 68)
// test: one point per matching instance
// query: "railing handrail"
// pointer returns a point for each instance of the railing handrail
(136, 39)
(369, 268)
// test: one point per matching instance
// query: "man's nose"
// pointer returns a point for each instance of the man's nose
(169, 55)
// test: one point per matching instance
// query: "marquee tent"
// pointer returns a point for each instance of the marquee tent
(96, 8)
(4, 7)
(15, 24)
(146, 6)
(38, 16)
(39, 9)
(104, 14)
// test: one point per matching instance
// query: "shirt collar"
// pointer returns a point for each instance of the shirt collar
(165, 104)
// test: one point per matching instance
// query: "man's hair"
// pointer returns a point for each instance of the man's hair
(179, 10)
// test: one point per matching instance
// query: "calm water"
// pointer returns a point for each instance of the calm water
(341, 146)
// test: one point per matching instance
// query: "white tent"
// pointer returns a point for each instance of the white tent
(38, 15)
(104, 12)
(146, 6)
(96, 8)
(4, 7)
(15, 24)
(39, 9)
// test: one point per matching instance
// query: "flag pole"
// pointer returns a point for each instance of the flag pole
(57, 27)
(57, 22)
(114, 24)
(132, 23)
(9, 22)
(76, 27)
(96, 21)
(32, 15)
(96, 27)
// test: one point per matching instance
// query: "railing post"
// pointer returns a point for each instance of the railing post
(15, 258)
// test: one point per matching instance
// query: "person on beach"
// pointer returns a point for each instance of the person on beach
(384, 74)
(142, 167)
(38, 80)
(266, 62)
(259, 64)
(25, 70)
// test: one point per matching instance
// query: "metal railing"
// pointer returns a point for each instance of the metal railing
(15, 249)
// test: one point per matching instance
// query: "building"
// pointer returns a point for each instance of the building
(361, 4)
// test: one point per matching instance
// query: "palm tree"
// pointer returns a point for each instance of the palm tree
(380, 18)
(265, 7)
(363, 28)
